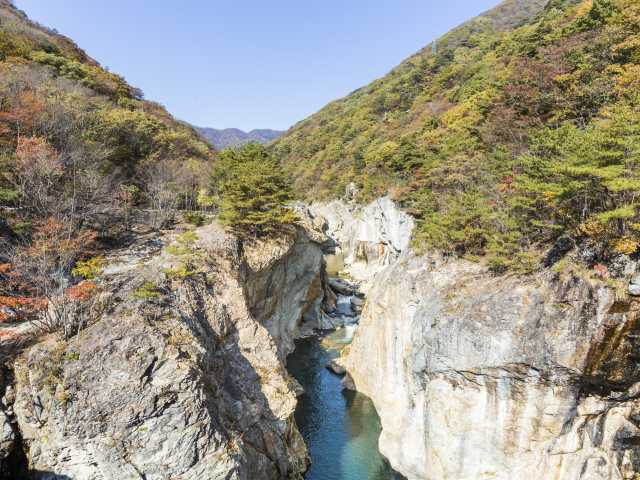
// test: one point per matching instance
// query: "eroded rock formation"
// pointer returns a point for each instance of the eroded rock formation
(481, 377)
(474, 376)
(478, 377)
(182, 380)
(367, 238)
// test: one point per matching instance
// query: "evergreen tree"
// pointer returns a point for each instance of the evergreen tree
(252, 191)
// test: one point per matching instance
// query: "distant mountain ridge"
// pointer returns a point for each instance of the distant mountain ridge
(233, 137)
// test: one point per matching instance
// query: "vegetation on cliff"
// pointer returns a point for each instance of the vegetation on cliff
(511, 131)
(252, 191)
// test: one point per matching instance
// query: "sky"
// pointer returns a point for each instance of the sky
(250, 63)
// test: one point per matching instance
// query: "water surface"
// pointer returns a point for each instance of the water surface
(341, 428)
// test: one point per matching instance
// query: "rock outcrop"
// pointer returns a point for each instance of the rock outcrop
(7, 433)
(282, 289)
(634, 286)
(368, 238)
(480, 377)
(477, 377)
(182, 376)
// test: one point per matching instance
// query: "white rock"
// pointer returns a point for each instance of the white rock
(476, 377)
(370, 237)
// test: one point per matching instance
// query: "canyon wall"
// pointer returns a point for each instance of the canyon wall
(474, 376)
(182, 376)
(483, 377)
(478, 377)
(369, 238)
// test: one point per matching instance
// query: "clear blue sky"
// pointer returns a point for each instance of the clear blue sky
(251, 63)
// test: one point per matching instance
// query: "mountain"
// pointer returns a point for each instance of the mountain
(233, 137)
(512, 131)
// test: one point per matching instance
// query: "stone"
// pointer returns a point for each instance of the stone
(368, 237)
(342, 287)
(315, 226)
(357, 302)
(561, 247)
(348, 383)
(191, 385)
(285, 288)
(7, 433)
(336, 367)
(484, 377)
(7, 437)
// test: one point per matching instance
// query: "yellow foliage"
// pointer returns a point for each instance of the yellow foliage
(584, 8)
(625, 246)
(90, 269)
(593, 228)
(628, 80)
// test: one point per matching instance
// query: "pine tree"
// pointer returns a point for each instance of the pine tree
(252, 191)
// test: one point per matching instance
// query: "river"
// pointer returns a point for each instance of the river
(341, 427)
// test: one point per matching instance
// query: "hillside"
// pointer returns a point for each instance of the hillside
(71, 126)
(83, 157)
(234, 137)
(517, 128)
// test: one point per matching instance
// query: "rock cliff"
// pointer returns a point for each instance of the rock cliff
(367, 239)
(478, 377)
(481, 377)
(474, 376)
(181, 376)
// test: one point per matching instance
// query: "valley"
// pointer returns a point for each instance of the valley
(436, 277)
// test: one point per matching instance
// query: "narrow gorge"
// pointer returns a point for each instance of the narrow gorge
(470, 376)
(435, 277)
(477, 376)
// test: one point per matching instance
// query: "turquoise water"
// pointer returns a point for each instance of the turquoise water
(341, 428)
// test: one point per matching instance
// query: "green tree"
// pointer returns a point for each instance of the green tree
(252, 191)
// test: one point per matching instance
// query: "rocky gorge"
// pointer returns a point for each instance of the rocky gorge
(181, 376)
(473, 376)
(483, 377)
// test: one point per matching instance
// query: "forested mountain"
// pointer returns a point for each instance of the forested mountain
(513, 130)
(234, 137)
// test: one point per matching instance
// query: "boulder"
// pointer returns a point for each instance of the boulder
(336, 367)
(342, 287)
(348, 383)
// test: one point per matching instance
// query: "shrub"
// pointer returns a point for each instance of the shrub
(148, 291)
(195, 218)
(89, 269)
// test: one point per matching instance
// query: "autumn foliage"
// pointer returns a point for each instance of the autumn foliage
(35, 283)
(21, 114)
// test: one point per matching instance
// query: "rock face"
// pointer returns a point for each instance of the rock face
(366, 238)
(7, 434)
(634, 286)
(183, 380)
(477, 377)
(286, 288)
